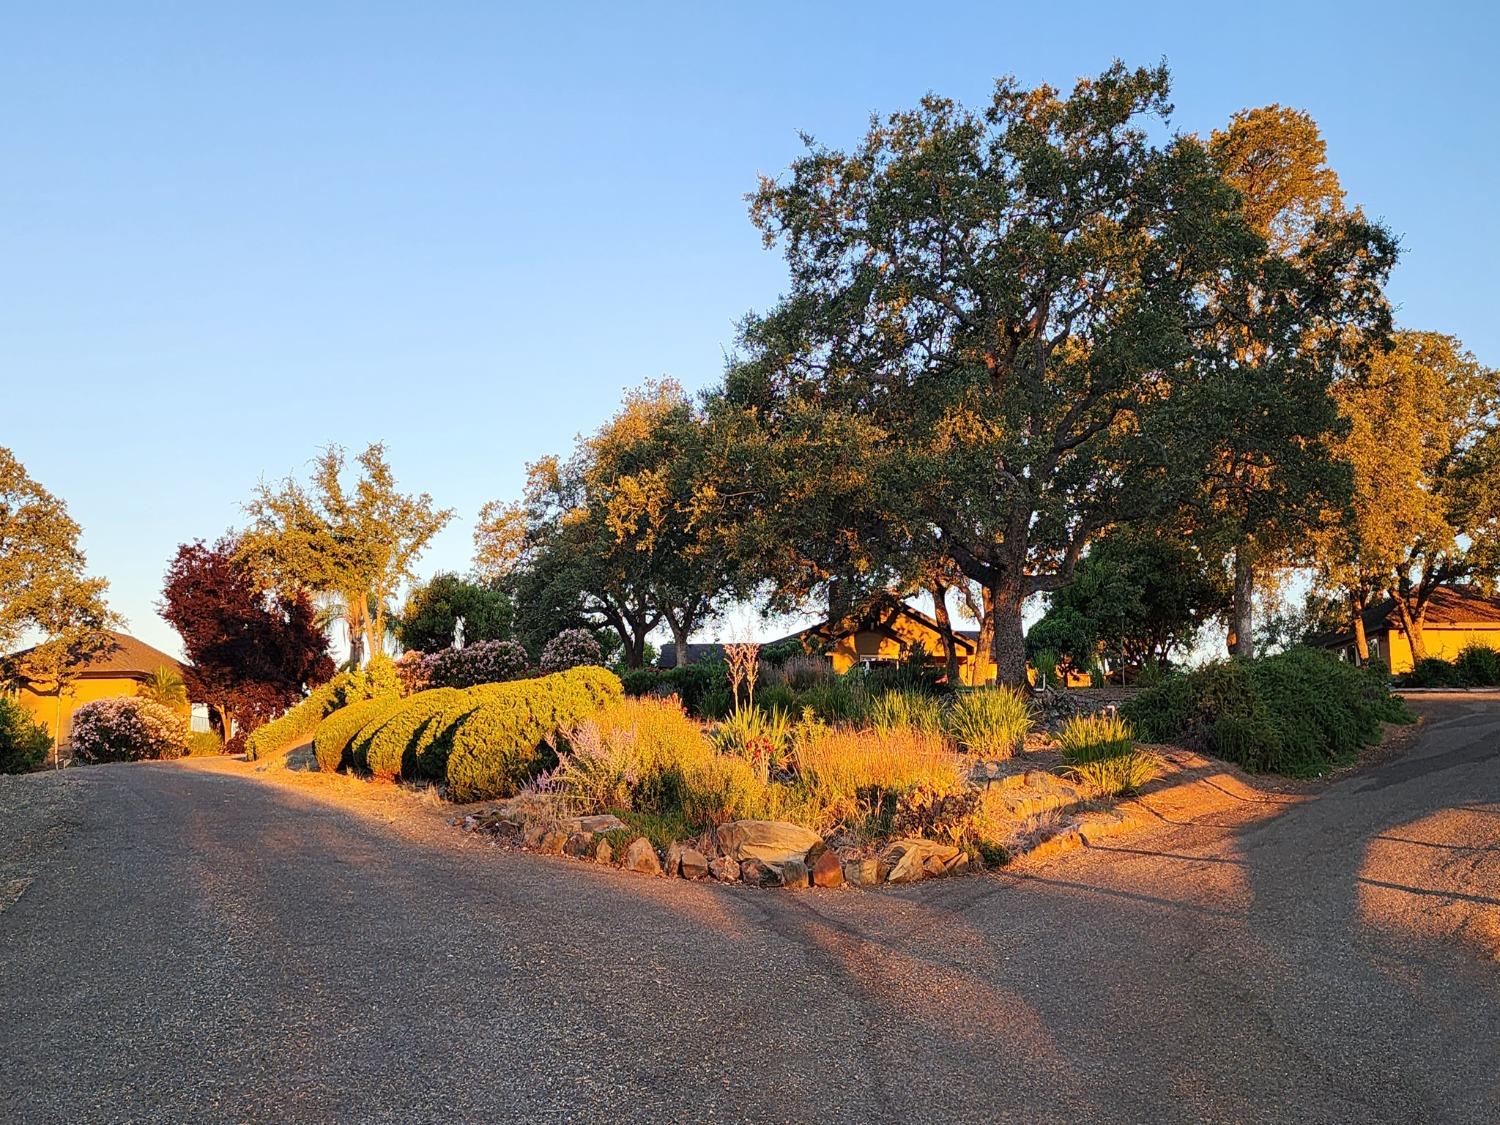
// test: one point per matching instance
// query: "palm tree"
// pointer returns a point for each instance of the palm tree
(164, 686)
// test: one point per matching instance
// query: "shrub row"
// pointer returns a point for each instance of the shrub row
(303, 719)
(1295, 713)
(389, 753)
(1477, 665)
(338, 730)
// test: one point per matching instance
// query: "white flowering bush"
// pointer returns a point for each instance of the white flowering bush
(570, 649)
(127, 730)
(485, 662)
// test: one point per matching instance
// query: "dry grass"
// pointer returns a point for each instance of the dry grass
(834, 764)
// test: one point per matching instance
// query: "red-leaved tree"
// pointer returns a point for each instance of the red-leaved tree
(251, 653)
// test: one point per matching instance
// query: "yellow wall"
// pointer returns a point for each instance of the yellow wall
(1444, 641)
(43, 706)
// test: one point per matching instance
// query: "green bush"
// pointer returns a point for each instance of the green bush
(335, 734)
(204, 742)
(1478, 665)
(24, 744)
(432, 744)
(1101, 754)
(303, 719)
(691, 683)
(1432, 672)
(389, 754)
(1296, 713)
(499, 745)
(992, 722)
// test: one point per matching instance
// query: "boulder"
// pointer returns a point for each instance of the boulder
(862, 872)
(579, 843)
(770, 841)
(674, 859)
(604, 853)
(792, 873)
(827, 871)
(694, 864)
(725, 869)
(641, 857)
(531, 835)
(908, 859)
(553, 842)
(758, 873)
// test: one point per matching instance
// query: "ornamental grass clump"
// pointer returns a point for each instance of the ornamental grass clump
(837, 763)
(130, 729)
(1101, 754)
(906, 709)
(990, 722)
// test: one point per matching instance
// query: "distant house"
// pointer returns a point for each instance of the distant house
(1456, 616)
(112, 674)
(697, 654)
(888, 631)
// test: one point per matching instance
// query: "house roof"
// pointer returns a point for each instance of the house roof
(873, 618)
(697, 654)
(129, 657)
(1450, 607)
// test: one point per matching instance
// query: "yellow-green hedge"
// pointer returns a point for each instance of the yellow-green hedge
(430, 747)
(337, 731)
(499, 745)
(303, 719)
(390, 752)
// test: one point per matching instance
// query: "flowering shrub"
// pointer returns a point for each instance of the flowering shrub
(487, 662)
(413, 671)
(127, 730)
(569, 649)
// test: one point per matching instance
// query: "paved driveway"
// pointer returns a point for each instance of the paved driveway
(197, 942)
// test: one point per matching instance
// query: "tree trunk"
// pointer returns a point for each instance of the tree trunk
(1411, 625)
(1242, 612)
(1361, 642)
(680, 640)
(945, 628)
(1009, 645)
(984, 648)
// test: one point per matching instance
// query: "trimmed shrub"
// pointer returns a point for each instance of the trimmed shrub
(302, 720)
(572, 648)
(1295, 713)
(388, 755)
(487, 662)
(24, 744)
(203, 743)
(434, 741)
(499, 745)
(338, 730)
(127, 730)
(990, 722)
(1431, 672)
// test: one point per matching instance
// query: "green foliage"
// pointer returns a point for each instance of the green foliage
(691, 683)
(906, 709)
(1296, 713)
(24, 744)
(337, 731)
(499, 745)
(757, 734)
(203, 743)
(302, 720)
(1090, 738)
(390, 753)
(164, 686)
(1477, 665)
(990, 722)
(432, 611)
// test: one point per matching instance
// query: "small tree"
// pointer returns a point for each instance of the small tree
(252, 652)
(430, 618)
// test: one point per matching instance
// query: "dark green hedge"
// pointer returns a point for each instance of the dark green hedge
(1295, 713)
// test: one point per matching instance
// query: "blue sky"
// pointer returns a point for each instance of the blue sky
(230, 234)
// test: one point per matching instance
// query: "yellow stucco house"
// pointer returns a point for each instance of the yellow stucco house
(119, 672)
(1456, 618)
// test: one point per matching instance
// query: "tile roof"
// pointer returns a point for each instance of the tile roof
(129, 657)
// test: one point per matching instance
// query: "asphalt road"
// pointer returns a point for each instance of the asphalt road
(189, 942)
